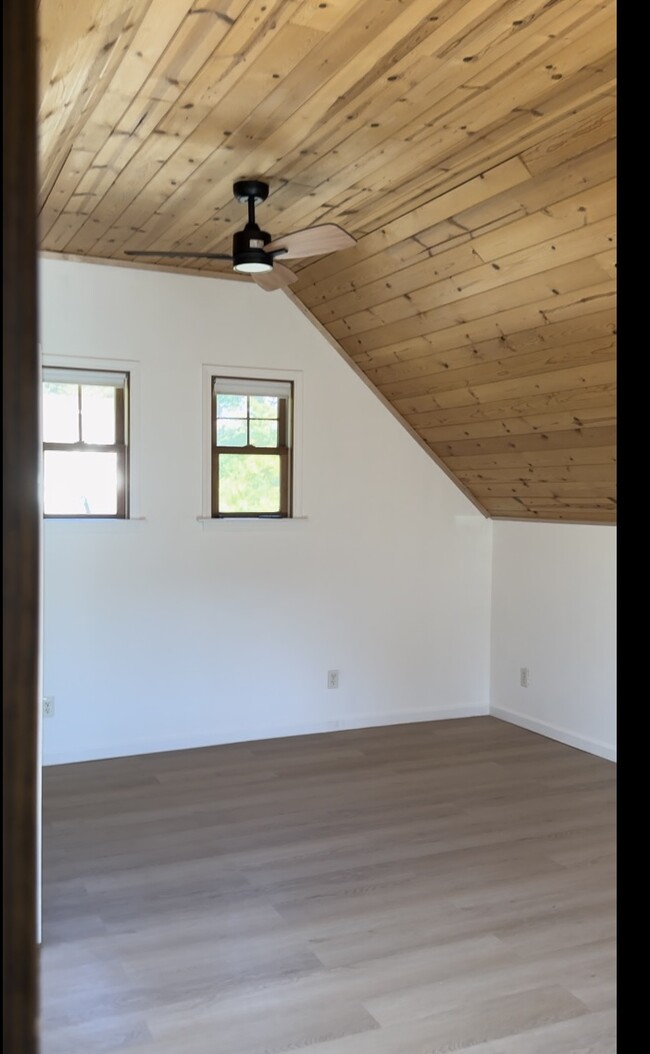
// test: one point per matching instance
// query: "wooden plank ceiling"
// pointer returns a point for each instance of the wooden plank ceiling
(469, 146)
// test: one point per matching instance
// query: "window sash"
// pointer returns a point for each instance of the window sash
(121, 508)
(285, 462)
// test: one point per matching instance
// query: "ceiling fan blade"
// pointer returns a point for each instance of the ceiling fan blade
(312, 241)
(279, 278)
(186, 255)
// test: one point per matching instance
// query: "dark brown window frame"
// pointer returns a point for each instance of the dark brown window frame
(283, 449)
(119, 447)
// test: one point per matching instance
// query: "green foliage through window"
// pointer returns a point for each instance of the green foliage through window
(249, 483)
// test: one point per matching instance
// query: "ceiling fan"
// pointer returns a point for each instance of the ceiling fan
(253, 250)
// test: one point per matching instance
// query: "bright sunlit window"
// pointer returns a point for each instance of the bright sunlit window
(85, 443)
(251, 447)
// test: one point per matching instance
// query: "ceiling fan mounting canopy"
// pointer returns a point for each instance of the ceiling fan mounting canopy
(254, 251)
(244, 189)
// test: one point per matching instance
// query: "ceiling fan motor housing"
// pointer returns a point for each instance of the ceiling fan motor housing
(248, 250)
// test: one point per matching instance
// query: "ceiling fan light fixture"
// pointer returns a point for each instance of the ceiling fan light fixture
(248, 253)
(253, 266)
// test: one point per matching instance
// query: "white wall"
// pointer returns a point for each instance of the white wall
(165, 634)
(553, 611)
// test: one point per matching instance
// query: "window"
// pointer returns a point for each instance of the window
(251, 426)
(85, 442)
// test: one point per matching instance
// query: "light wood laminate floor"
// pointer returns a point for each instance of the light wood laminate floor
(434, 887)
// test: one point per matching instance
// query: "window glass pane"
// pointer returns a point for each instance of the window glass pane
(97, 414)
(231, 433)
(60, 412)
(264, 433)
(264, 406)
(249, 483)
(231, 406)
(78, 483)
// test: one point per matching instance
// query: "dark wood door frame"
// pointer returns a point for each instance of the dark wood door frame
(21, 526)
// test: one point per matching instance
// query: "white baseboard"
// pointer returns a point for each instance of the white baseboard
(563, 735)
(99, 752)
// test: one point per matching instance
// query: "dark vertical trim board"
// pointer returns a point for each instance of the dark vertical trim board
(21, 524)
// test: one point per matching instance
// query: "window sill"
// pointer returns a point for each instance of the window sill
(96, 525)
(250, 523)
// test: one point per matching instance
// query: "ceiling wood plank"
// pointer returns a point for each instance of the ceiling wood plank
(566, 457)
(551, 289)
(552, 510)
(411, 363)
(528, 490)
(602, 414)
(575, 437)
(512, 367)
(553, 381)
(541, 474)
(574, 402)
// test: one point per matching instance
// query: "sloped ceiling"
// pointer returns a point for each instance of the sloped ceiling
(469, 146)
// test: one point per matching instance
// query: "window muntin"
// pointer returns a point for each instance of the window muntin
(85, 443)
(251, 447)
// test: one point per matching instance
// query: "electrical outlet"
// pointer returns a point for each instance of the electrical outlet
(332, 678)
(48, 706)
(523, 677)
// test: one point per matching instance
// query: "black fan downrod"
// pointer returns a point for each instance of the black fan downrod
(248, 245)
